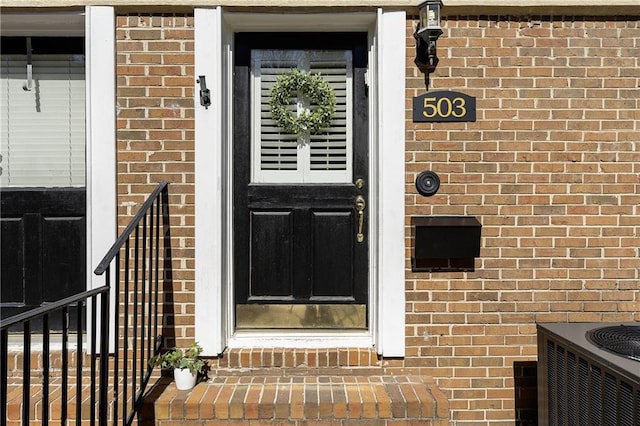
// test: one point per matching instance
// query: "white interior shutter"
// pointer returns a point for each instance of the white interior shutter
(278, 151)
(279, 157)
(331, 151)
(43, 130)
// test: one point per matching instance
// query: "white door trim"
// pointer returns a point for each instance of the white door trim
(214, 301)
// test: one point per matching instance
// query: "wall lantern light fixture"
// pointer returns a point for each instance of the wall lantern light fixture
(426, 35)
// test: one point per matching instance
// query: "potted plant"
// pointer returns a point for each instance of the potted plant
(186, 364)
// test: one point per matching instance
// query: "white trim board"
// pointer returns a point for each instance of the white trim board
(36, 24)
(102, 231)
(403, 4)
(214, 302)
(209, 199)
(101, 136)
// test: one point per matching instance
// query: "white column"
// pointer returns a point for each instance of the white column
(208, 180)
(100, 44)
(391, 167)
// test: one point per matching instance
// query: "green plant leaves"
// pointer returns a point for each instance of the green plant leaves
(316, 89)
(178, 358)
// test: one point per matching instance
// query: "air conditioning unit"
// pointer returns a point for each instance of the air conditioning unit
(589, 374)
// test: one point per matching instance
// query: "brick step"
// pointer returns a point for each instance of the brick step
(309, 358)
(257, 397)
(232, 358)
(15, 363)
(261, 386)
(57, 404)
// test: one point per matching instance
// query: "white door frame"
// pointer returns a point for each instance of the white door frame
(214, 296)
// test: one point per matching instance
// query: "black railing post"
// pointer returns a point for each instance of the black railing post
(152, 227)
(137, 318)
(92, 344)
(136, 276)
(4, 366)
(156, 282)
(116, 328)
(65, 363)
(125, 341)
(25, 319)
(143, 282)
(26, 371)
(45, 367)
(79, 360)
(104, 360)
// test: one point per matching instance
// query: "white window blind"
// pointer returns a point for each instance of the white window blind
(278, 157)
(43, 130)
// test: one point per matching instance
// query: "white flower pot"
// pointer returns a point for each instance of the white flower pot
(185, 379)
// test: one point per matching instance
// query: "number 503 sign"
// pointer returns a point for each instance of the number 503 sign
(444, 107)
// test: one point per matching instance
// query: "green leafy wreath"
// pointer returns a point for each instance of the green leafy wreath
(316, 89)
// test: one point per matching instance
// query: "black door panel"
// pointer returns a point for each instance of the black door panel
(43, 247)
(272, 270)
(333, 247)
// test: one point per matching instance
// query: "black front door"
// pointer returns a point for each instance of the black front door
(300, 217)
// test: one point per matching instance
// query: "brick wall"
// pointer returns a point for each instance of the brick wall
(155, 122)
(550, 168)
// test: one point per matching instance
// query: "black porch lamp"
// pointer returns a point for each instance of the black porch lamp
(426, 35)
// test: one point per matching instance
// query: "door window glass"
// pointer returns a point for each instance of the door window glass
(42, 119)
(279, 157)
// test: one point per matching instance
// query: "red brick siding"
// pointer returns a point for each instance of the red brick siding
(155, 79)
(550, 168)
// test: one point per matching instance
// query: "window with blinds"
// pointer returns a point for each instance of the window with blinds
(278, 157)
(43, 129)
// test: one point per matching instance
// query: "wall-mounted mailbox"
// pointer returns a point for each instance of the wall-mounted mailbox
(445, 237)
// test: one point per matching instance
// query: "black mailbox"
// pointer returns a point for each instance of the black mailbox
(445, 237)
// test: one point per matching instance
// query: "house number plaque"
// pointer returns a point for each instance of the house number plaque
(444, 107)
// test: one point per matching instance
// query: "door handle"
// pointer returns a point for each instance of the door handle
(360, 206)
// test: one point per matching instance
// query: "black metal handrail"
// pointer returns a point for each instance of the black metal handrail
(136, 258)
(152, 200)
(87, 299)
(118, 371)
(34, 313)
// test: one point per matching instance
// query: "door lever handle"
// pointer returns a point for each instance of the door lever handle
(360, 206)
